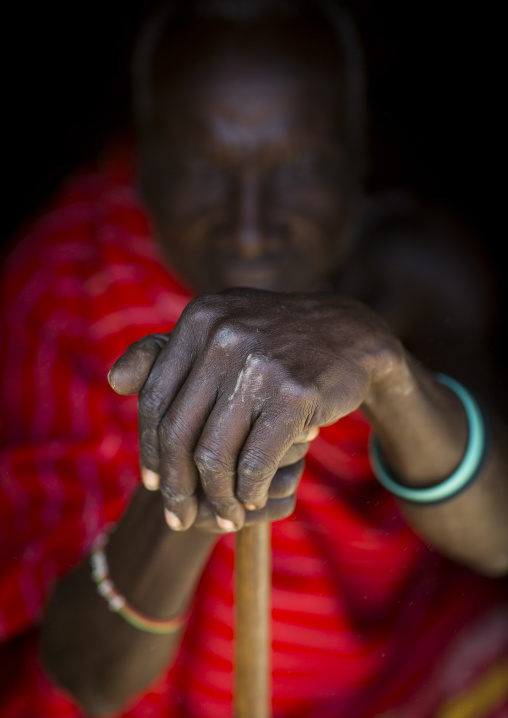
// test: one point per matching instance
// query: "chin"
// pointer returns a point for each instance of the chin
(280, 285)
(274, 277)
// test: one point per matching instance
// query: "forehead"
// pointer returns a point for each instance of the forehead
(243, 85)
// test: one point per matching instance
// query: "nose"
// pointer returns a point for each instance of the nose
(248, 232)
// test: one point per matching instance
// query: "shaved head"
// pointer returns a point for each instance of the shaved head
(250, 122)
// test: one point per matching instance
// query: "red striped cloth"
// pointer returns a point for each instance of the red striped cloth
(366, 619)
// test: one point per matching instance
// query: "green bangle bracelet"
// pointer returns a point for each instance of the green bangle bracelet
(462, 477)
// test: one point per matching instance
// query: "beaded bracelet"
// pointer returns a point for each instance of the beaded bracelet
(469, 468)
(118, 603)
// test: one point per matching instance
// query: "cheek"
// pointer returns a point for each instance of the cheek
(180, 207)
(178, 251)
(318, 216)
(177, 198)
(314, 237)
(308, 243)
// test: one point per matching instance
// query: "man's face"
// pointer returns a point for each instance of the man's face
(244, 171)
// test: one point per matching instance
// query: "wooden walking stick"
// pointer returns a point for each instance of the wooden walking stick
(252, 690)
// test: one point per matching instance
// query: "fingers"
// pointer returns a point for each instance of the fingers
(300, 447)
(215, 449)
(190, 458)
(280, 504)
(216, 456)
(286, 480)
(180, 435)
(273, 510)
(168, 373)
(270, 439)
(130, 371)
(308, 435)
(186, 449)
(150, 479)
(197, 442)
(294, 454)
(128, 376)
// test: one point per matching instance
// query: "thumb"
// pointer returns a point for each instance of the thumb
(131, 370)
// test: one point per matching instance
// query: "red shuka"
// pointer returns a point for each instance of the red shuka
(366, 619)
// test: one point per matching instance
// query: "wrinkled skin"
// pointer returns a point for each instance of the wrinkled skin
(233, 390)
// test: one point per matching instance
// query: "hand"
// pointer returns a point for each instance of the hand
(226, 398)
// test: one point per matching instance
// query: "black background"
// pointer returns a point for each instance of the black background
(433, 89)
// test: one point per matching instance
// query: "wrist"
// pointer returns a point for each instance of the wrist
(392, 380)
(421, 425)
(117, 603)
(465, 474)
(155, 568)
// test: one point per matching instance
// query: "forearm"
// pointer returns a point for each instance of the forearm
(93, 652)
(423, 429)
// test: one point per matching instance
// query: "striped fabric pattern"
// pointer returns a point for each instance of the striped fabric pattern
(365, 618)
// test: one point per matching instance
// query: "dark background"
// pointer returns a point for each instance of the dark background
(433, 83)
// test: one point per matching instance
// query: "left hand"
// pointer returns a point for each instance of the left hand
(242, 376)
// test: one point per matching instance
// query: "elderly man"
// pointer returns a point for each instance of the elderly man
(249, 164)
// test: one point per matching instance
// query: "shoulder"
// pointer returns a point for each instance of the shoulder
(57, 251)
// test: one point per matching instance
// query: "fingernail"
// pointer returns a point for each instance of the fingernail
(225, 524)
(250, 507)
(313, 433)
(150, 479)
(172, 520)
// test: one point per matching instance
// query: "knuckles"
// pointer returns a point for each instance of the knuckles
(202, 311)
(174, 431)
(299, 394)
(213, 465)
(255, 471)
(256, 465)
(228, 336)
(171, 498)
(217, 322)
(150, 404)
